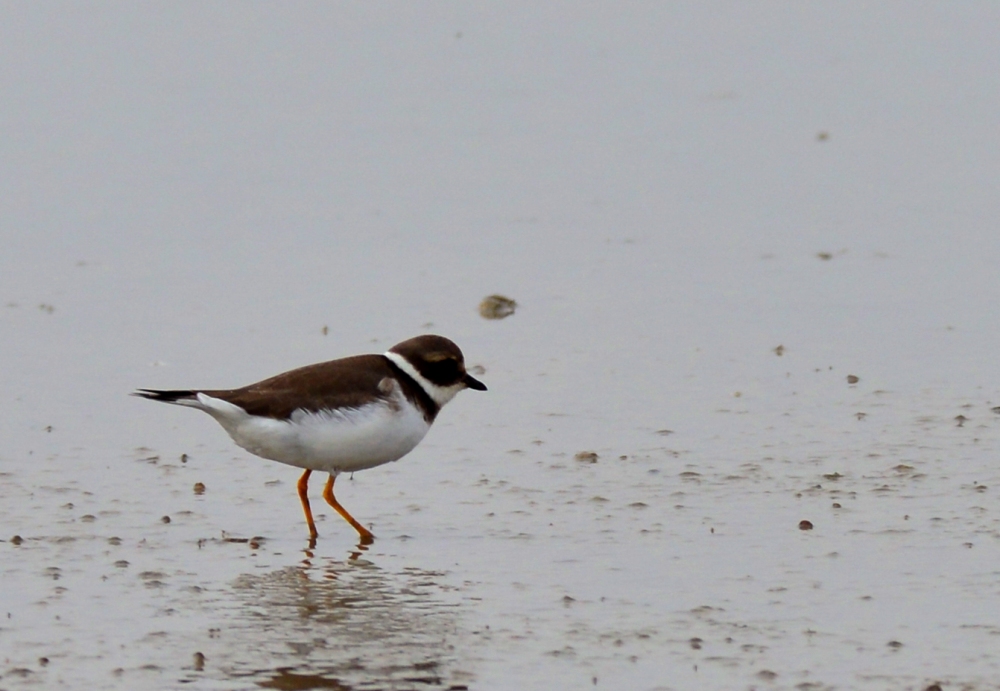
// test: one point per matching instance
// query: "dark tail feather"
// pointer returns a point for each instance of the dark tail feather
(165, 396)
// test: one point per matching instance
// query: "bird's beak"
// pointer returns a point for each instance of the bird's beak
(473, 383)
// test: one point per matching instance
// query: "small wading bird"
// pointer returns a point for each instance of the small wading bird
(338, 416)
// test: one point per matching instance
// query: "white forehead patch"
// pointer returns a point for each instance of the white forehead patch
(438, 394)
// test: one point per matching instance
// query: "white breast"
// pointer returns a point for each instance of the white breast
(333, 441)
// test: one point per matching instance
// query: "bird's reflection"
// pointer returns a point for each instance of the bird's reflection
(363, 543)
(329, 624)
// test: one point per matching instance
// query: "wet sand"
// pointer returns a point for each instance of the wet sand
(742, 427)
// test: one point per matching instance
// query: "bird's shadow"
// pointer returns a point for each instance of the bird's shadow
(329, 623)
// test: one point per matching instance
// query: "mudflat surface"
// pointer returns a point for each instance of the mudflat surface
(754, 252)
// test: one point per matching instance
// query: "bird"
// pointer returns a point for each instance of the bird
(339, 416)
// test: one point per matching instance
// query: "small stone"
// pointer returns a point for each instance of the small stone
(165, 519)
(199, 488)
(586, 457)
(851, 379)
(16, 540)
(496, 307)
(805, 525)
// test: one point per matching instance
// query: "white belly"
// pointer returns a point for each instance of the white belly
(333, 441)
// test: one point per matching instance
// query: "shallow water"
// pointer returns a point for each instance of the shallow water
(708, 221)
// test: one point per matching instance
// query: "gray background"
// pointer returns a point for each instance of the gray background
(192, 191)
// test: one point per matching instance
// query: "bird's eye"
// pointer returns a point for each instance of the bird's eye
(444, 371)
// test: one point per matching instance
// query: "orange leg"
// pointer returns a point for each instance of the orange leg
(366, 535)
(304, 496)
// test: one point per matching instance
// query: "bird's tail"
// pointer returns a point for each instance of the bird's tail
(179, 397)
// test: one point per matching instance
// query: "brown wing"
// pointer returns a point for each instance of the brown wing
(346, 383)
